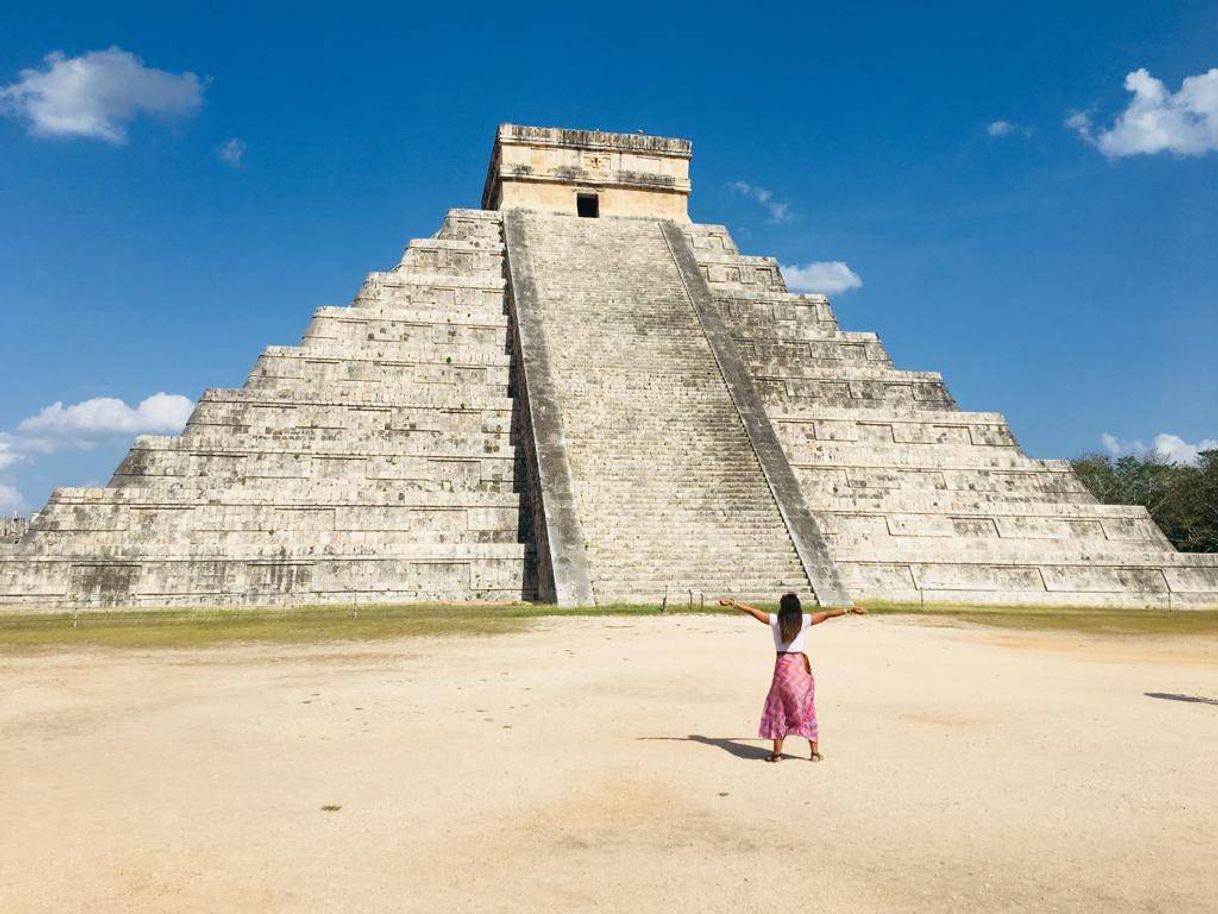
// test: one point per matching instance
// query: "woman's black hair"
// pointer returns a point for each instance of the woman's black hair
(790, 617)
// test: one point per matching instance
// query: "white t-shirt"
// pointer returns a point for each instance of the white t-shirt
(796, 646)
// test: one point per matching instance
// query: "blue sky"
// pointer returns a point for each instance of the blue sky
(1062, 274)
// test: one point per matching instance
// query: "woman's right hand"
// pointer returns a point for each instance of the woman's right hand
(726, 602)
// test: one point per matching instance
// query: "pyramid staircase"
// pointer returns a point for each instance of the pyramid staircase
(668, 489)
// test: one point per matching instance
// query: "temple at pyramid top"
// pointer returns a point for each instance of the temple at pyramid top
(588, 173)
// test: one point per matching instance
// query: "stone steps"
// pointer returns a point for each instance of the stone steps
(438, 491)
(472, 224)
(488, 310)
(755, 329)
(1004, 550)
(1031, 483)
(284, 415)
(276, 430)
(374, 319)
(772, 345)
(811, 358)
(430, 304)
(191, 579)
(618, 491)
(862, 393)
(942, 504)
(373, 494)
(396, 444)
(707, 566)
(914, 456)
(838, 371)
(437, 288)
(675, 592)
(381, 355)
(428, 350)
(777, 297)
(920, 455)
(461, 392)
(339, 374)
(167, 520)
(1183, 579)
(252, 546)
(235, 470)
(413, 552)
(437, 293)
(709, 506)
(1080, 521)
(274, 544)
(434, 396)
(465, 257)
(658, 454)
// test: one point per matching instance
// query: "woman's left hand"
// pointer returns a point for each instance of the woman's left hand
(859, 610)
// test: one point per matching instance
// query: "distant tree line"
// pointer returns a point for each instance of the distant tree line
(1182, 499)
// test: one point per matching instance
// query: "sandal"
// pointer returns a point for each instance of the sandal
(817, 757)
(773, 757)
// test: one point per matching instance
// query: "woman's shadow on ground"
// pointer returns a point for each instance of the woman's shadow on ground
(737, 747)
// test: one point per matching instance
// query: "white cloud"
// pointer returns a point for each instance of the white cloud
(97, 94)
(827, 277)
(1079, 121)
(8, 451)
(1176, 450)
(10, 499)
(1006, 128)
(232, 153)
(779, 212)
(81, 425)
(1168, 447)
(1117, 448)
(1183, 123)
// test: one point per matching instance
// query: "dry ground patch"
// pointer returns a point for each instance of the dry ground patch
(609, 763)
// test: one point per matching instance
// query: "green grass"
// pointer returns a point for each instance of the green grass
(1082, 620)
(188, 628)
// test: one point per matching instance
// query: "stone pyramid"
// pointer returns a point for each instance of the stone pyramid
(576, 395)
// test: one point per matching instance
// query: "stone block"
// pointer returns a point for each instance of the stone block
(1100, 579)
(959, 577)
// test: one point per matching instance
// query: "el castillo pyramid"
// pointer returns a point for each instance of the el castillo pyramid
(576, 395)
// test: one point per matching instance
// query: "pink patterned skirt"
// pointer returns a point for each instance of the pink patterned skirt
(790, 708)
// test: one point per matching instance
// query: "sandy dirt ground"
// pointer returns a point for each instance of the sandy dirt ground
(607, 764)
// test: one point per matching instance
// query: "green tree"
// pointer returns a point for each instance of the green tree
(1182, 499)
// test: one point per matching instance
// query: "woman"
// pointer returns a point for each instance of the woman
(791, 705)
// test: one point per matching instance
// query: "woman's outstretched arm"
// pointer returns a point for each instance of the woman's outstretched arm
(753, 611)
(818, 618)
